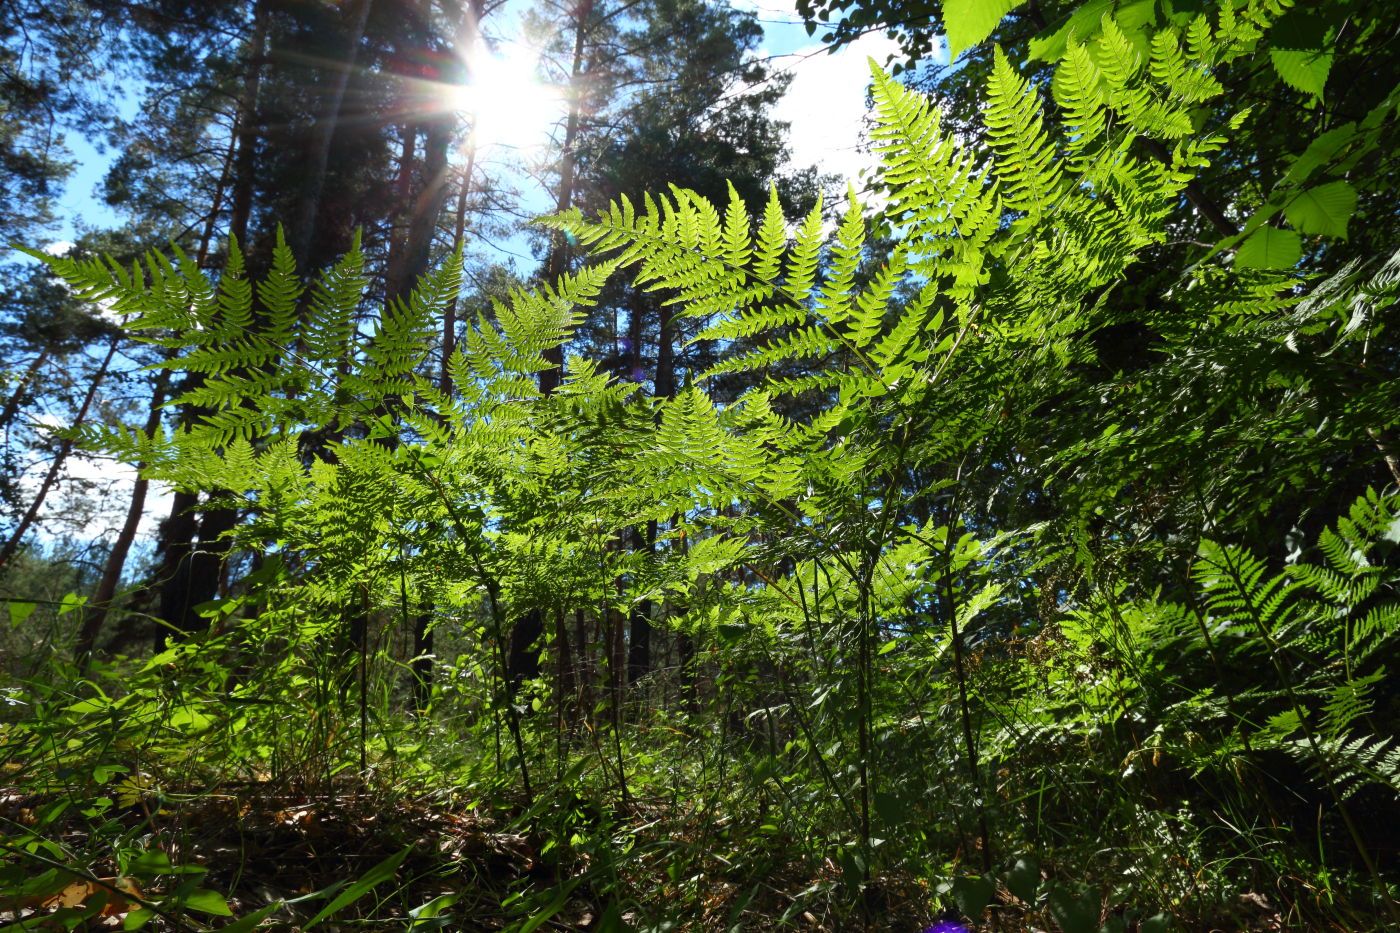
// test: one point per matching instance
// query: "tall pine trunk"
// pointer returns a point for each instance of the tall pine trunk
(121, 548)
(308, 204)
(190, 549)
(525, 633)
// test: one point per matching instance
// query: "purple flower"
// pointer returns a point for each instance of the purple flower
(948, 926)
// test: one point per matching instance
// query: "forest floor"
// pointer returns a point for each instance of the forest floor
(479, 868)
(420, 864)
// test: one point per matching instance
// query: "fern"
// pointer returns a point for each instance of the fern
(1321, 627)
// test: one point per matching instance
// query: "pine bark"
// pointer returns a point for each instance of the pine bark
(189, 545)
(309, 203)
(116, 558)
(526, 630)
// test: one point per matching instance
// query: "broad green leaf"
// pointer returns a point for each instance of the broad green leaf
(136, 919)
(1320, 151)
(70, 602)
(19, 612)
(1083, 24)
(1074, 914)
(150, 863)
(431, 910)
(1270, 248)
(1325, 209)
(972, 895)
(1303, 70)
(206, 901)
(732, 632)
(969, 22)
(1023, 880)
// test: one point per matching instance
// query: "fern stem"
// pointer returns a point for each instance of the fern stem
(950, 609)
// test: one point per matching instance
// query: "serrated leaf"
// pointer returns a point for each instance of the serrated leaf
(1270, 248)
(1306, 71)
(1320, 151)
(1325, 209)
(970, 22)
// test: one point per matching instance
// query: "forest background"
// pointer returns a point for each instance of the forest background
(1002, 540)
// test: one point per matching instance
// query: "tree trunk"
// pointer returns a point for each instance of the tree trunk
(309, 203)
(665, 356)
(639, 639)
(245, 164)
(65, 446)
(116, 558)
(427, 208)
(398, 236)
(551, 377)
(468, 40)
(558, 261)
(524, 659)
(449, 314)
(178, 533)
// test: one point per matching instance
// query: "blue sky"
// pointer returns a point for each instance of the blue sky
(825, 107)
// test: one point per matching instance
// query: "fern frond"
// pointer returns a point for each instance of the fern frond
(1032, 178)
(280, 295)
(328, 329)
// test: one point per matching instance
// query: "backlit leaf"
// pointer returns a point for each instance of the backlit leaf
(1303, 70)
(1325, 209)
(1270, 248)
(970, 22)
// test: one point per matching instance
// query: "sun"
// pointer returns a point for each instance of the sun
(505, 103)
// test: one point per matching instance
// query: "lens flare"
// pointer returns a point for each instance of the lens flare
(506, 103)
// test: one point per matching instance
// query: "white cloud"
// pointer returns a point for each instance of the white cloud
(114, 479)
(91, 497)
(826, 106)
(59, 247)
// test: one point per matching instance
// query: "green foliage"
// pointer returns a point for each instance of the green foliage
(949, 582)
